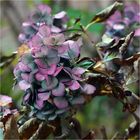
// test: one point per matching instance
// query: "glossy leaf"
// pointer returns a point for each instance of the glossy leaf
(86, 64)
(110, 56)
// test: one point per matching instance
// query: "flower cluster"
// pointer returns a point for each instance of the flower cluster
(123, 22)
(40, 17)
(48, 72)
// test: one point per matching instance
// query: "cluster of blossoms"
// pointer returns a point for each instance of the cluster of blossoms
(48, 72)
(123, 22)
(121, 42)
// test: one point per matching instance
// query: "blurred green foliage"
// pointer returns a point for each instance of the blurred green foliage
(104, 111)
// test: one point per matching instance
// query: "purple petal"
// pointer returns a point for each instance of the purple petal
(26, 97)
(44, 96)
(55, 29)
(40, 63)
(25, 76)
(35, 42)
(137, 32)
(78, 71)
(24, 85)
(50, 83)
(22, 37)
(55, 39)
(44, 8)
(40, 51)
(53, 57)
(116, 17)
(51, 70)
(23, 67)
(137, 17)
(32, 75)
(44, 31)
(62, 49)
(39, 77)
(60, 15)
(7, 111)
(36, 51)
(39, 103)
(60, 102)
(60, 38)
(59, 91)
(89, 89)
(74, 48)
(74, 85)
(43, 71)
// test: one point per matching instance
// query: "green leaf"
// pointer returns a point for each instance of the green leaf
(84, 19)
(86, 63)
